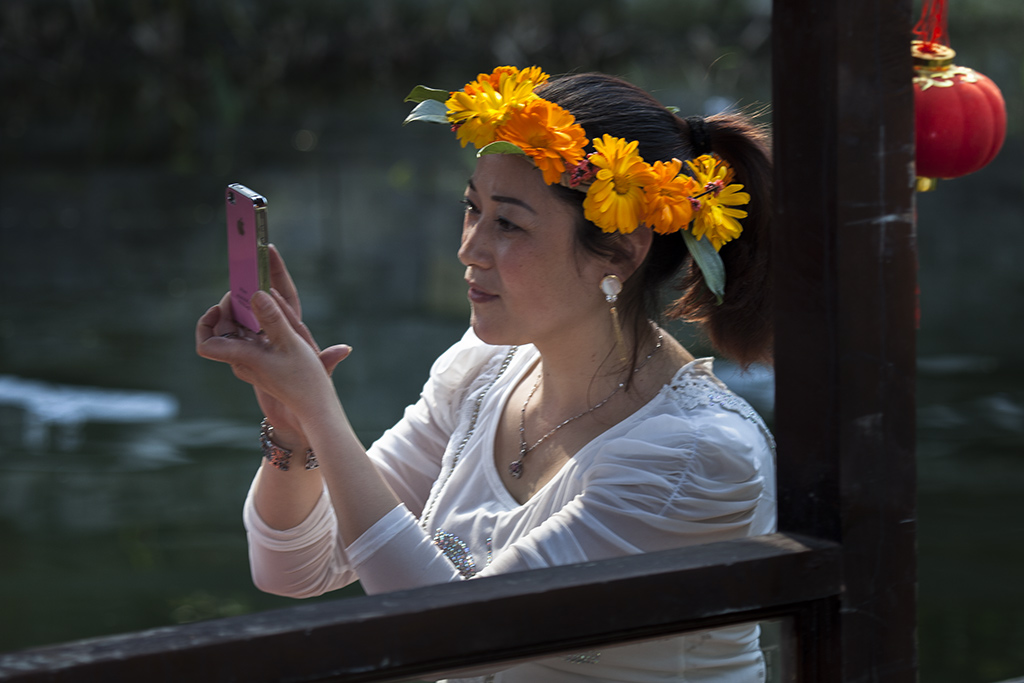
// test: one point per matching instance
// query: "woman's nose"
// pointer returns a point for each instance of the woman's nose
(473, 250)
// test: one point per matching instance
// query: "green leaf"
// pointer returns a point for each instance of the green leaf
(500, 147)
(673, 109)
(431, 111)
(709, 262)
(422, 93)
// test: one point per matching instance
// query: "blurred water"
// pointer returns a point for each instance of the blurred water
(970, 537)
(60, 411)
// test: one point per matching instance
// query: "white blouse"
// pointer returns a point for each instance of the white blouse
(693, 465)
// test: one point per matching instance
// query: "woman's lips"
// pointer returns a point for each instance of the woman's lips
(480, 296)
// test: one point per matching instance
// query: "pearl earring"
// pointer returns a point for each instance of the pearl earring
(611, 286)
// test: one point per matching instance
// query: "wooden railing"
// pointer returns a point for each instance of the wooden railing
(507, 618)
(843, 569)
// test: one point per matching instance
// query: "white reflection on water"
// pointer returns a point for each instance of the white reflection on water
(63, 409)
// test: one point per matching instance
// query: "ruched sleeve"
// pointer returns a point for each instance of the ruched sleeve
(668, 483)
(300, 562)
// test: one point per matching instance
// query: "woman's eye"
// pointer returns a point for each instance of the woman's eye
(506, 225)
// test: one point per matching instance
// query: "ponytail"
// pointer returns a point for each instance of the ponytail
(741, 327)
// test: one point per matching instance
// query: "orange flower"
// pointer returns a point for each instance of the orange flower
(548, 134)
(487, 103)
(616, 199)
(668, 199)
(531, 77)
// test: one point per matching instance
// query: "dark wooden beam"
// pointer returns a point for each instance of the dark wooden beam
(845, 255)
(411, 633)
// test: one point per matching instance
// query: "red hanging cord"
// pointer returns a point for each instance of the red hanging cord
(932, 28)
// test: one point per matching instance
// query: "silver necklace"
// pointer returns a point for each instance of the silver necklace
(515, 468)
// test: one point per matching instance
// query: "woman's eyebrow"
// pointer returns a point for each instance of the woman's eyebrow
(513, 200)
(504, 200)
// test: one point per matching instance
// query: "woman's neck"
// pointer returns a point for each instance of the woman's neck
(581, 368)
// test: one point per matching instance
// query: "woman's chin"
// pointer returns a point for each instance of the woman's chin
(495, 335)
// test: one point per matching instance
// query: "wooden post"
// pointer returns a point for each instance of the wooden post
(845, 259)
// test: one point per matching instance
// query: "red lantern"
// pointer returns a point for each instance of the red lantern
(960, 116)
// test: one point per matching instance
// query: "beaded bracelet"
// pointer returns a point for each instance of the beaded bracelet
(279, 457)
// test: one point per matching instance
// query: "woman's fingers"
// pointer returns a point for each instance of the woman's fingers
(287, 296)
(211, 340)
(281, 280)
(271, 316)
(216, 330)
(275, 319)
(294, 320)
(333, 355)
(205, 328)
(225, 323)
(282, 361)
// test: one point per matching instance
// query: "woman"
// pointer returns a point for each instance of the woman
(565, 426)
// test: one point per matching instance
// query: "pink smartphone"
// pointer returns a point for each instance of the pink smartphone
(248, 263)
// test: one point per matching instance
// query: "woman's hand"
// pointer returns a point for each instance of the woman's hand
(290, 375)
(218, 322)
(286, 430)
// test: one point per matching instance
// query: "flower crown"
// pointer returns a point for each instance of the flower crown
(500, 114)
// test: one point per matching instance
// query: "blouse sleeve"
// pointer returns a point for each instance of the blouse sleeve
(309, 559)
(665, 484)
(300, 562)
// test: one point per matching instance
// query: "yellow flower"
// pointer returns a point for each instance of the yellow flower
(710, 170)
(487, 103)
(616, 199)
(715, 216)
(476, 111)
(718, 221)
(548, 134)
(714, 212)
(529, 77)
(669, 208)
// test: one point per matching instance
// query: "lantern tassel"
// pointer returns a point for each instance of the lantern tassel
(932, 28)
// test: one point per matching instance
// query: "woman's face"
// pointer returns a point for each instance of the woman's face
(528, 283)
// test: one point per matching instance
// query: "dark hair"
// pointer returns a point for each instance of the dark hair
(741, 326)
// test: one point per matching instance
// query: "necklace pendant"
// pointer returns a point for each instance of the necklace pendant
(515, 468)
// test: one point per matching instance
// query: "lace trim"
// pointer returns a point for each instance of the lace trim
(700, 389)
